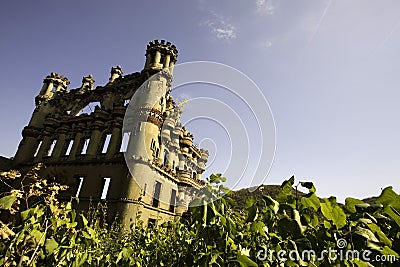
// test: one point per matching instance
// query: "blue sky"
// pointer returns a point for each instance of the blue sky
(328, 68)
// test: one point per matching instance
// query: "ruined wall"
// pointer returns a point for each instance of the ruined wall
(81, 136)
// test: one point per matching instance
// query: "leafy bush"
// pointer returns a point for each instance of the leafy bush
(37, 230)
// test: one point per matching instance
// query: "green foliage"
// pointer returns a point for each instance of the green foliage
(391, 202)
(331, 210)
(37, 230)
(7, 201)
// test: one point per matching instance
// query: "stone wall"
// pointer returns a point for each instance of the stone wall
(87, 140)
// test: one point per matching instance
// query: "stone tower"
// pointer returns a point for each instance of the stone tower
(121, 143)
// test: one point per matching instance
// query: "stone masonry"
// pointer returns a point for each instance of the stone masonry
(143, 165)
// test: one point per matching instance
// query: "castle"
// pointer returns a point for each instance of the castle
(121, 143)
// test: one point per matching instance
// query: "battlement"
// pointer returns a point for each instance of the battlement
(160, 55)
(162, 45)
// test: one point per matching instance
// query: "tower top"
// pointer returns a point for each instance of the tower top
(160, 55)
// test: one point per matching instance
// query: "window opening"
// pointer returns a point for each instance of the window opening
(106, 143)
(78, 191)
(156, 196)
(105, 188)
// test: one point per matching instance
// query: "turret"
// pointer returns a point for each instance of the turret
(160, 55)
(87, 84)
(203, 159)
(48, 84)
(52, 84)
(145, 119)
(116, 72)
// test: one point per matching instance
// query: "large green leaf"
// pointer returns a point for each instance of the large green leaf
(366, 233)
(350, 204)
(393, 214)
(388, 251)
(285, 194)
(50, 245)
(331, 210)
(258, 227)
(271, 203)
(390, 200)
(389, 197)
(252, 209)
(288, 227)
(217, 178)
(310, 200)
(296, 217)
(309, 185)
(84, 220)
(245, 261)
(381, 235)
(127, 252)
(6, 202)
(38, 235)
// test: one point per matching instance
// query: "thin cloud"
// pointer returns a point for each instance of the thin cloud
(265, 6)
(220, 27)
(266, 44)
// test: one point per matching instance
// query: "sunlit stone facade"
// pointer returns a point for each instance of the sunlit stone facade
(79, 135)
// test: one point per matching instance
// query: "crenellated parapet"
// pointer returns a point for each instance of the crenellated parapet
(160, 55)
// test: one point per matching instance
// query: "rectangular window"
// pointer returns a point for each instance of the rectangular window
(51, 148)
(38, 148)
(106, 143)
(78, 191)
(69, 147)
(125, 142)
(105, 188)
(172, 201)
(85, 146)
(156, 196)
